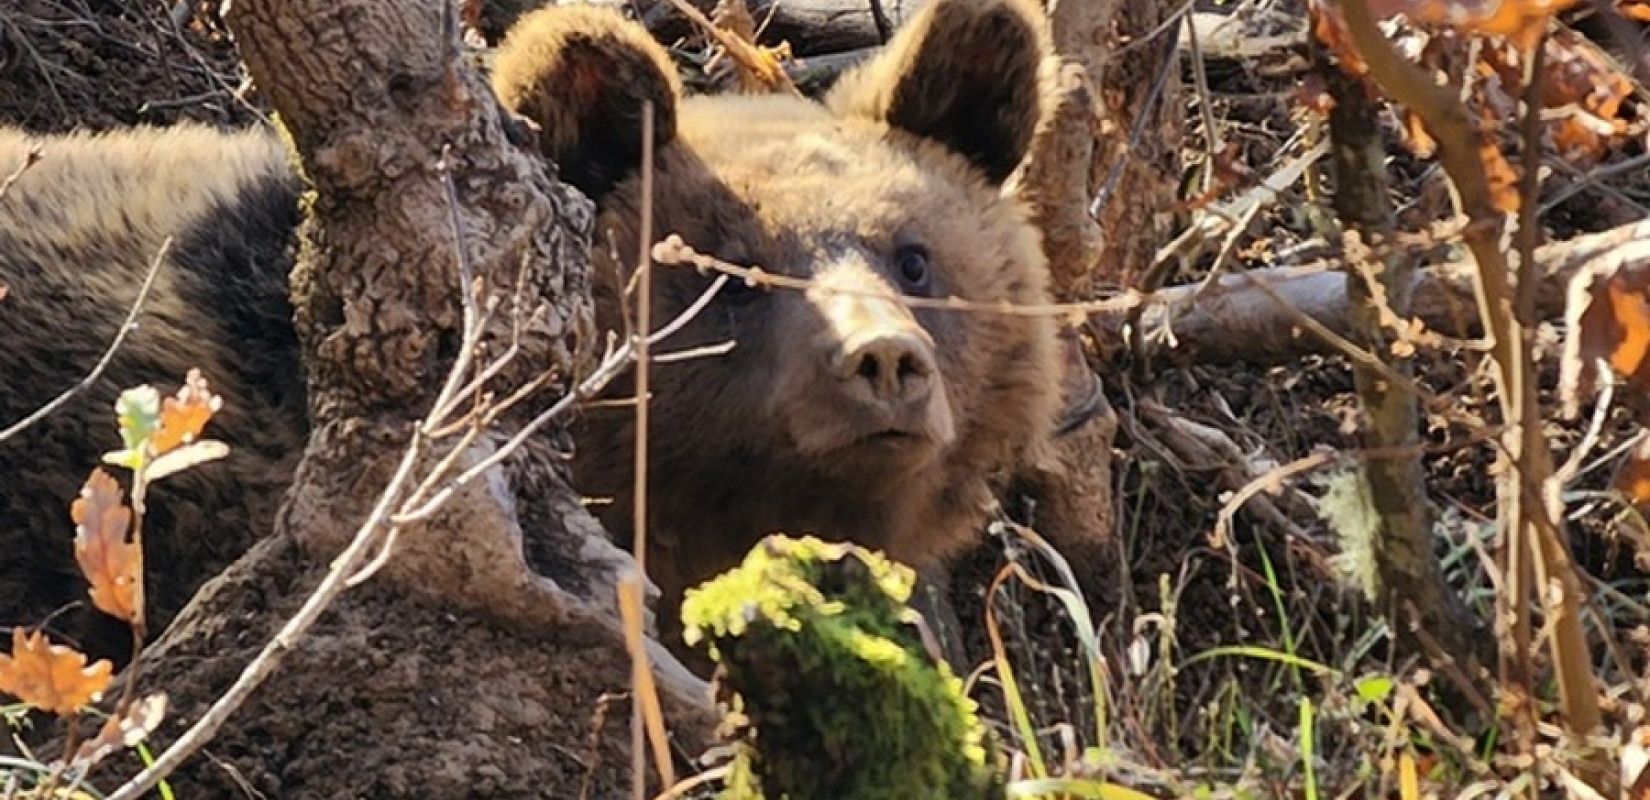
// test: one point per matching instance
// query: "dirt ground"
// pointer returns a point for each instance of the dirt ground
(391, 697)
(94, 64)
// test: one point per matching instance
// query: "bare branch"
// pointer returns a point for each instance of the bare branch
(126, 327)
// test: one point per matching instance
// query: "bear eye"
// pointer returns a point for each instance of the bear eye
(911, 260)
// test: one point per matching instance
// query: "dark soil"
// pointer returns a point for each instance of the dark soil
(390, 696)
(96, 64)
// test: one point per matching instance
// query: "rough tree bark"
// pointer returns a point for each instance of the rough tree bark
(1136, 169)
(1083, 152)
(1070, 486)
(437, 675)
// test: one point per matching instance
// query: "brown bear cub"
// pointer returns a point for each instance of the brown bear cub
(840, 410)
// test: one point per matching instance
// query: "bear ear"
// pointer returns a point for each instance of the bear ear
(965, 73)
(582, 75)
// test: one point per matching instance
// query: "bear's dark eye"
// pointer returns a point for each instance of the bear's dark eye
(911, 262)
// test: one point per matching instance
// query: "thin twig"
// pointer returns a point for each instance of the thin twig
(29, 160)
(645, 724)
(126, 328)
(467, 287)
(1205, 106)
(879, 18)
(609, 368)
(365, 540)
(672, 251)
(765, 69)
(1136, 132)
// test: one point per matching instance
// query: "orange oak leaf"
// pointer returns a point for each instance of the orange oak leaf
(1607, 316)
(112, 564)
(1630, 312)
(1633, 478)
(1520, 21)
(51, 677)
(183, 416)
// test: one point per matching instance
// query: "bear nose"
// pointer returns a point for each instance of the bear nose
(897, 365)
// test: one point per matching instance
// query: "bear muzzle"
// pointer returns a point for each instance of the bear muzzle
(877, 391)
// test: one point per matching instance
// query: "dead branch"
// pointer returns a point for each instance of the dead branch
(812, 27)
(1530, 506)
(1380, 283)
(393, 508)
(1233, 320)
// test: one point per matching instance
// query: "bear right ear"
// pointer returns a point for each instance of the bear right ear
(582, 74)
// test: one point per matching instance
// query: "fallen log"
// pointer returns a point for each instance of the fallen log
(1253, 316)
(812, 27)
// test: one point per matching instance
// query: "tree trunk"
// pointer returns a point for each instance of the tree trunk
(457, 655)
(1135, 174)
(1409, 583)
(1082, 153)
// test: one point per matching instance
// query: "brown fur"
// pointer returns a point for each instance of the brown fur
(909, 149)
(77, 234)
(842, 414)
(584, 80)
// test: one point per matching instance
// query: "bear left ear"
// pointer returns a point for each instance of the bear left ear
(582, 74)
(965, 73)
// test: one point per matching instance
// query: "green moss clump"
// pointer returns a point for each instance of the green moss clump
(830, 690)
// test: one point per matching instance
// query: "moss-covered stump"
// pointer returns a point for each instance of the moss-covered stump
(829, 690)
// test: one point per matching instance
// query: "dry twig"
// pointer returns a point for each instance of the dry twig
(126, 327)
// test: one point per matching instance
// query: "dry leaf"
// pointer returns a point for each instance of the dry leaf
(113, 565)
(1586, 99)
(1607, 316)
(1520, 21)
(1502, 178)
(183, 416)
(122, 731)
(51, 677)
(1633, 478)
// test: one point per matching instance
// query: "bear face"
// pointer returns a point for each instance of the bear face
(840, 410)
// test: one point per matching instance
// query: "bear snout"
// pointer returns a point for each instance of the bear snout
(869, 393)
(891, 388)
(891, 367)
